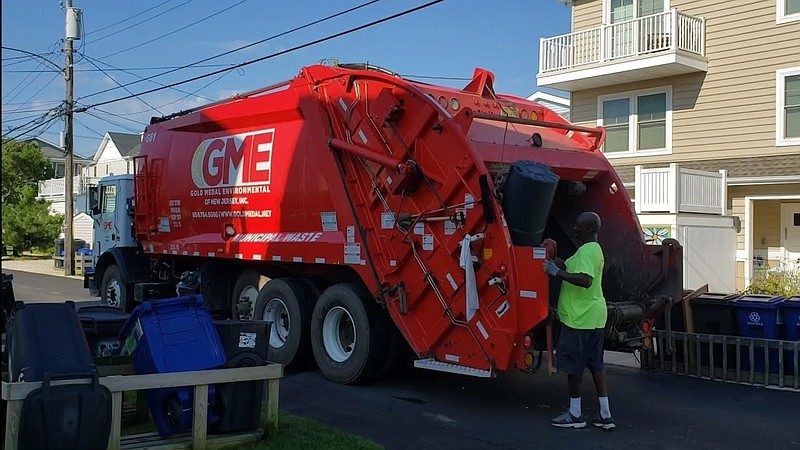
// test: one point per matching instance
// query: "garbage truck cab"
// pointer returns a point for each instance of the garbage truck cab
(111, 203)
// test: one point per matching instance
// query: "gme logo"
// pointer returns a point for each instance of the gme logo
(235, 160)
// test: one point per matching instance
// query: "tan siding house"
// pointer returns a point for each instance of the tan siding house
(712, 85)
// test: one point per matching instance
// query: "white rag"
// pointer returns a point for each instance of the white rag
(469, 275)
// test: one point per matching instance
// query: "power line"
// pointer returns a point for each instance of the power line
(121, 116)
(90, 129)
(178, 30)
(32, 123)
(82, 136)
(112, 122)
(125, 69)
(24, 111)
(28, 117)
(29, 83)
(132, 17)
(137, 76)
(436, 77)
(33, 71)
(33, 55)
(275, 36)
(174, 101)
(123, 87)
(282, 52)
(39, 101)
(41, 88)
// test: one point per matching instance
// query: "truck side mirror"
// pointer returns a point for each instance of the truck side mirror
(94, 200)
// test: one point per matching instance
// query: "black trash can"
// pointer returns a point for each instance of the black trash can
(7, 301)
(101, 325)
(528, 194)
(713, 313)
(45, 342)
(77, 244)
(239, 405)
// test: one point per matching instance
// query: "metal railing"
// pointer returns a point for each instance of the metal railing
(765, 362)
(670, 30)
(54, 187)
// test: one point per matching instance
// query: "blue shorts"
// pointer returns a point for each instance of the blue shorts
(580, 349)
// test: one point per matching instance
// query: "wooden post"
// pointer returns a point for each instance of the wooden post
(116, 421)
(273, 387)
(689, 319)
(199, 422)
(142, 412)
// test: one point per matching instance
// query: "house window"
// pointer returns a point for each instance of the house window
(788, 11)
(787, 111)
(637, 122)
(58, 170)
(616, 118)
(622, 10)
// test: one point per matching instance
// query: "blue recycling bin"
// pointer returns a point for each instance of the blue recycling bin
(790, 310)
(757, 316)
(173, 335)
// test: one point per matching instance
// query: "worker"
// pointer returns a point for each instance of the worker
(582, 311)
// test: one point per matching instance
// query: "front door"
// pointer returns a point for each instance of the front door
(623, 16)
(790, 234)
(108, 229)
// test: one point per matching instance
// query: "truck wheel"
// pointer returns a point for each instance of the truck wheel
(348, 334)
(288, 304)
(245, 294)
(114, 292)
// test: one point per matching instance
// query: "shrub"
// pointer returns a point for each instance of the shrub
(777, 283)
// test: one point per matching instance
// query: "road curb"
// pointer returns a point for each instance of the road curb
(37, 266)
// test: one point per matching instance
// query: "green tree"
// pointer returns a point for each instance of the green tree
(23, 165)
(28, 224)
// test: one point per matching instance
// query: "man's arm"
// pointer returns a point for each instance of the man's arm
(578, 279)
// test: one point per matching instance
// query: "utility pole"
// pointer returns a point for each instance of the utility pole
(72, 32)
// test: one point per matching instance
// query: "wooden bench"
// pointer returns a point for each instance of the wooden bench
(15, 393)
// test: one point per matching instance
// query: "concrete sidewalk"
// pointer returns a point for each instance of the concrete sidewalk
(40, 266)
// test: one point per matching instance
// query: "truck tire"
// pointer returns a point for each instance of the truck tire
(245, 294)
(348, 334)
(114, 292)
(288, 304)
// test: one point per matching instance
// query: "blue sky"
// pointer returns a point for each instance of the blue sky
(445, 40)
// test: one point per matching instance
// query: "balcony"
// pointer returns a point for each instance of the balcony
(660, 45)
(53, 188)
(677, 190)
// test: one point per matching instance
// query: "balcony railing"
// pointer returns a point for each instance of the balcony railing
(677, 190)
(55, 187)
(669, 30)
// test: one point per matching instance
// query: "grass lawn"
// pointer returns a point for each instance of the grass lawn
(28, 257)
(293, 433)
(301, 433)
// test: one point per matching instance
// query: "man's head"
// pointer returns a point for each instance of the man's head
(586, 227)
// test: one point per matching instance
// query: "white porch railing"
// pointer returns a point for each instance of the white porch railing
(669, 30)
(54, 187)
(676, 190)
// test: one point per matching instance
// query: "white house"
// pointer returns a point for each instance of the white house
(115, 155)
(558, 104)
